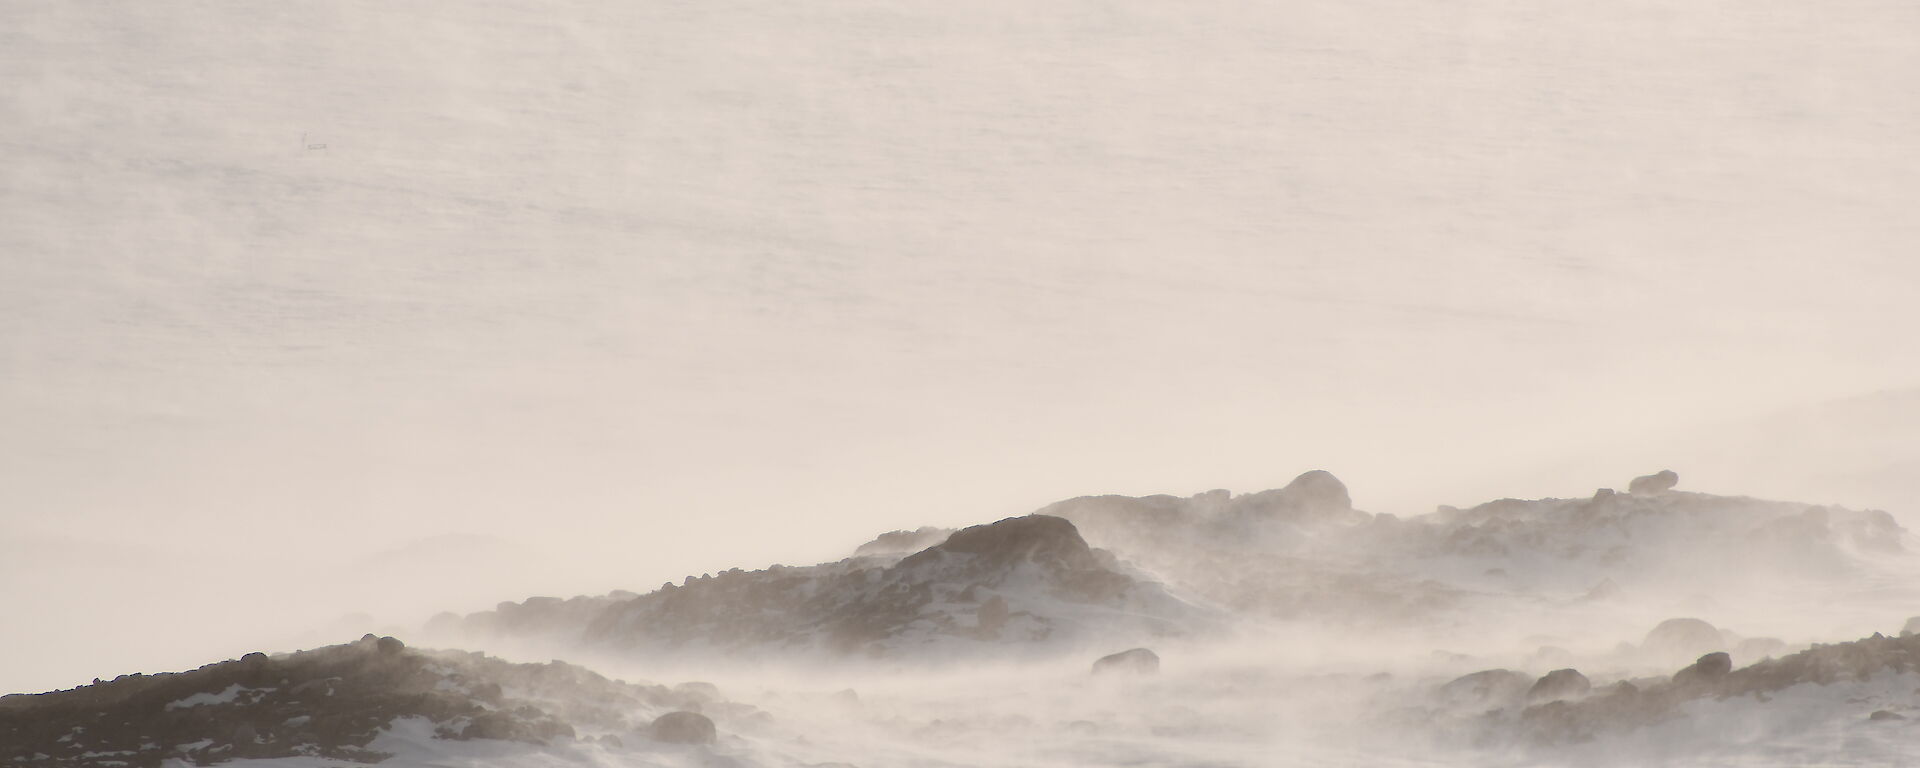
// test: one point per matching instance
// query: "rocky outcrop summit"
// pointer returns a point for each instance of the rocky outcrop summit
(901, 543)
(328, 702)
(1151, 566)
(1022, 579)
(1658, 482)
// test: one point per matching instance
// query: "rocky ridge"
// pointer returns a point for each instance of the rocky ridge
(1020, 580)
(329, 702)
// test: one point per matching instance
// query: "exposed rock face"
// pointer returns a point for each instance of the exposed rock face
(1558, 685)
(1044, 539)
(1136, 661)
(1682, 638)
(1081, 568)
(1486, 688)
(1318, 489)
(683, 728)
(328, 703)
(1658, 482)
(991, 616)
(903, 542)
(1708, 670)
(1016, 580)
(1625, 707)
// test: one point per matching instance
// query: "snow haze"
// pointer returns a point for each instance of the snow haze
(322, 317)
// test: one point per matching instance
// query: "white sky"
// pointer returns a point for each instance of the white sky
(590, 295)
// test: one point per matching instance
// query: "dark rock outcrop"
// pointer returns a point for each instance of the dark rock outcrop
(1624, 706)
(328, 702)
(1558, 685)
(1136, 661)
(1018, 579)
(1658, 482)
(903, 542)
(683, 728)
(1044, 539)
(1706, 671)
(1486, 688)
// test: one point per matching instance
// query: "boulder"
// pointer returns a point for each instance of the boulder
(1136, 661)
(1042, 538)
(1320, 489)
(683, 728)
(1658, 482)
(1486, 687)
(1681, 638)
(1558, 685)
(1707, 670)
(1883, 715)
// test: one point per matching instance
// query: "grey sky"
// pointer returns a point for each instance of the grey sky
(603, 293)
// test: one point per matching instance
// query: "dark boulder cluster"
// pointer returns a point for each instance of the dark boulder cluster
(1626, 705)
(328, 703)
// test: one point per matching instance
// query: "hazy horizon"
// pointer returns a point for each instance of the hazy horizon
(586, 296)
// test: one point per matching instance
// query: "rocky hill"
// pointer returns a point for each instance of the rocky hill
(1154, 566)
(331, 702)
(1022, 580)
(1303, 551)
